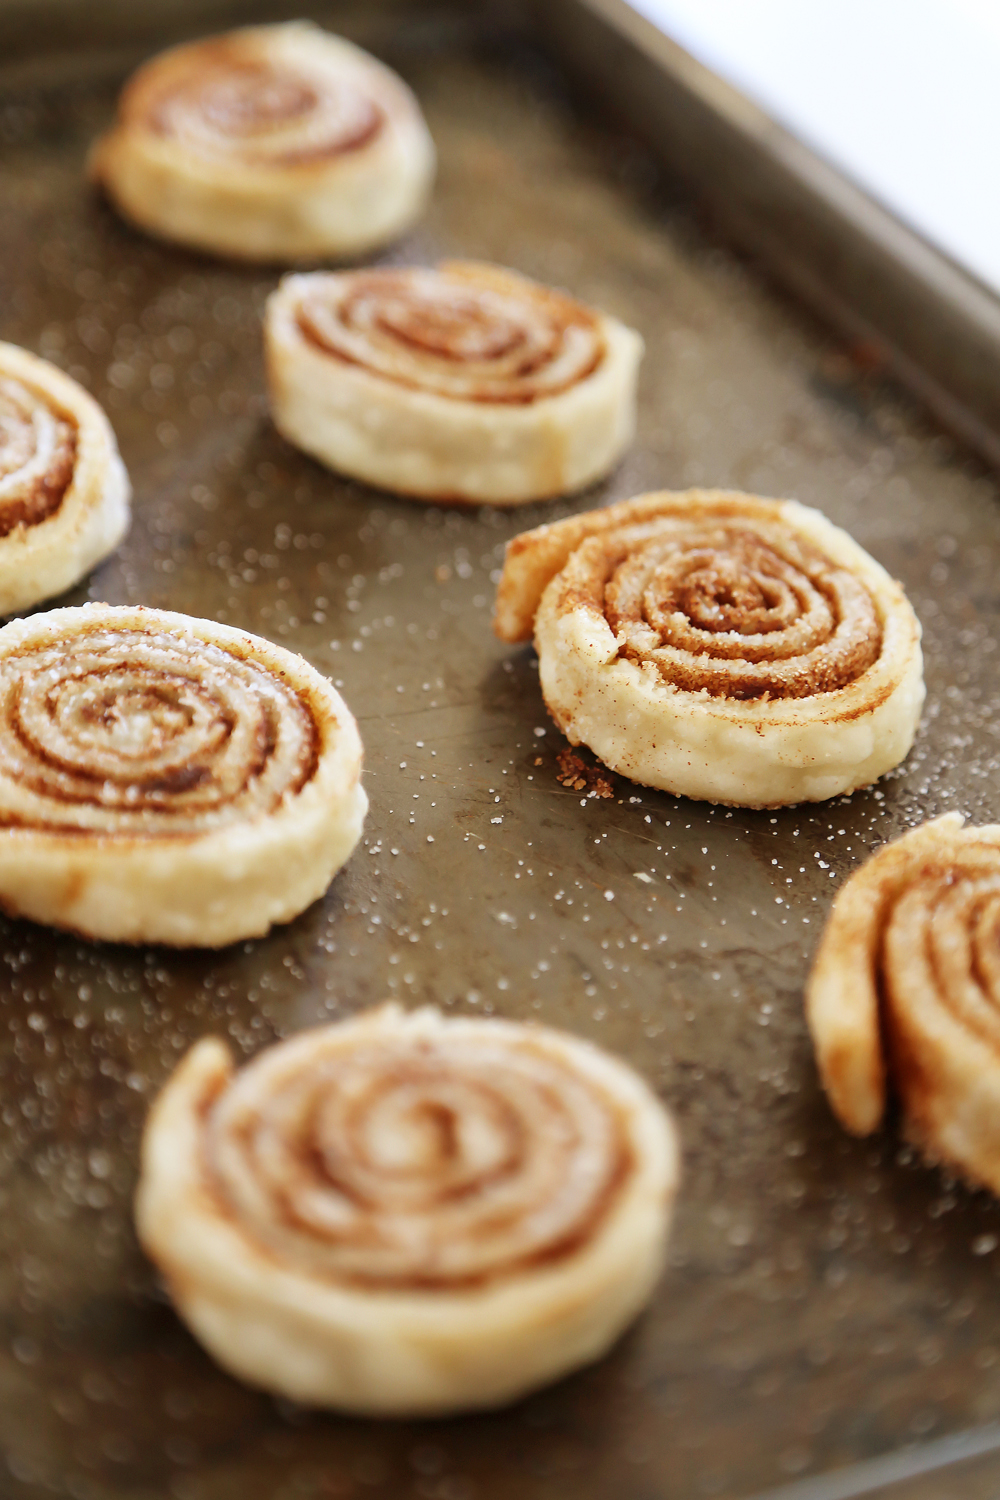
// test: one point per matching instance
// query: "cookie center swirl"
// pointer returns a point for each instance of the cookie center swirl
(126, 733)
(734, 610)
(256, 99)
(37, 457)
(448, 335)
(265, 114)
(460, 329)
(415, 1163)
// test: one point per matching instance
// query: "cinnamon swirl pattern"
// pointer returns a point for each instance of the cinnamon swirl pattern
(274, 143)
(407, 1215)
(464, 384)
(165, 779)
(64, 493)
(904, 995)
(719, 646)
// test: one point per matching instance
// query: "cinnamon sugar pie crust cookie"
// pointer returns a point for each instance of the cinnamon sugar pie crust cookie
(407, 1214)
(465, 384)
(904, 995)
(168, 780)
(64, 493)
(719, 646)
(274, 143)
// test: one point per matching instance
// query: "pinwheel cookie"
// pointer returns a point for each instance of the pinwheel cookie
(407, 1215)
(64, 493)
(719, 646)
(904, 995)
(274, 143)
(168, 780)
(463, 384)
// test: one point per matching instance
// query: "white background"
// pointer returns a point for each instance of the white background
(903, 95)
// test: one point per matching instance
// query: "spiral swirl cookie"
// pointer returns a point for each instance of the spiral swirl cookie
(904, 994)
(168, 780)
(274, 143)
(719, 646)
(463, 384)
(64, 493)
(407, 1215)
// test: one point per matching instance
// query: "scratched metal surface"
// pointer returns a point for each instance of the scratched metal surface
(827, 1300)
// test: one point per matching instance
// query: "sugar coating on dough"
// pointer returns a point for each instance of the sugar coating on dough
(466, 384)
(404, 1214)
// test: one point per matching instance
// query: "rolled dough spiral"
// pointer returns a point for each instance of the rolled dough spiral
(904, 995)
(64, 493)
(166, 779)
(407, 1214)
(718, 645)
(274, 143)
(463, 384)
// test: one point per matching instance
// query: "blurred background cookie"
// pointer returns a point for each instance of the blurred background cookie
(274, 143)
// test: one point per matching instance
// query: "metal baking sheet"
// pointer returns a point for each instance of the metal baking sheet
(828, 1301)
(889, 291)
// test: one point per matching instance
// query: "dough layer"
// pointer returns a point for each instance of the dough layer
(64, 493)
(407, 1214)
(168, 780)
(272, 143)
(719, 646)
(466, 384)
